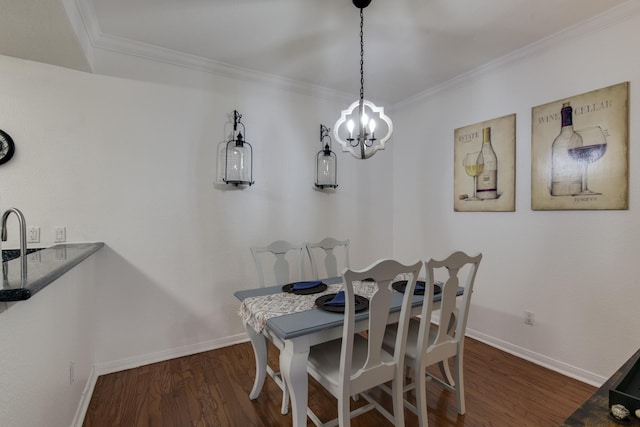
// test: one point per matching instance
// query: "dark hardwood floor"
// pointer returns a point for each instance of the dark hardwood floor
(211, 389)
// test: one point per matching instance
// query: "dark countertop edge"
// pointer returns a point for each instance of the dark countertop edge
(595, 410)
(31, 287)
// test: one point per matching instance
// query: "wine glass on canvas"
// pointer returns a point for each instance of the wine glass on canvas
(473, 166)
(594, 145)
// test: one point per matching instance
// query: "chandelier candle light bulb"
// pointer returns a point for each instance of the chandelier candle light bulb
(350, 126)
(364, 120)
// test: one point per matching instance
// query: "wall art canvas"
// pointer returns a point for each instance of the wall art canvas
(484, 166)
(579, 151)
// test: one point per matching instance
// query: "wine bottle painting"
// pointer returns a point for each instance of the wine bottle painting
(571, 153)
(579, 151)
(484, 173)
(482, 166)
(487, 182)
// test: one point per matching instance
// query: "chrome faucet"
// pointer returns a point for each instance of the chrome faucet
(23, 229)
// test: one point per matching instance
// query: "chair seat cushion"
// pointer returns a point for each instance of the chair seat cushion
(447, 348)
(389, 340)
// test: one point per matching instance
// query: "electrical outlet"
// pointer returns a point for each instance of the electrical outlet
(33, 235)
(529, 318)
(61, 235)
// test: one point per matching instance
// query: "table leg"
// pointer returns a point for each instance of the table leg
(294, 370)
(259, 343)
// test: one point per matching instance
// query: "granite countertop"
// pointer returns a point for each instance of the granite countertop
(23, 277)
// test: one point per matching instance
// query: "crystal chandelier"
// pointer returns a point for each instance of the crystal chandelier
(363, 116)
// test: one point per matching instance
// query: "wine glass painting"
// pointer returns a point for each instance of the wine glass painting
(473, 166)
(594, 145)
(580, 151)
(484, 166)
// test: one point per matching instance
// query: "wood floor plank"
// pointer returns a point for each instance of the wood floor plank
(211, 389)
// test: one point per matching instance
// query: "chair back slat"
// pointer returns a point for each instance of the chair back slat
(287, 262)
(325, 254)
(383, 272)
(443, 339)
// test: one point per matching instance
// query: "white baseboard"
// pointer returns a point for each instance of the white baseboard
(85, 399)
(539, 359)
(146, 359)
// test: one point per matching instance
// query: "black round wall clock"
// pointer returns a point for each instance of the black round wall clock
(7, 147)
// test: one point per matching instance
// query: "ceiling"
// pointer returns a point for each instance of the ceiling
(40, 30)
(410, 45)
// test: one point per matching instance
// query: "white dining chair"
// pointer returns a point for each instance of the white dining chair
(324, 253)
(279, 263)
(354, 364)
(280, 255)
(434, 343)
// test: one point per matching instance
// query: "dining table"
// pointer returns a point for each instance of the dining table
(295, 326)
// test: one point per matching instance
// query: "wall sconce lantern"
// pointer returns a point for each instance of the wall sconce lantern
(238, 156)
(326, 162)
(363, 115)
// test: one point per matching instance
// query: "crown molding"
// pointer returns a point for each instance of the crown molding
(605, 20)
(78, 12)
(185, 60)
(93, 37)
(85, 23)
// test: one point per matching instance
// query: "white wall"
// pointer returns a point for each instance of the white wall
(39, 339)
(576, 270)
(132, 163)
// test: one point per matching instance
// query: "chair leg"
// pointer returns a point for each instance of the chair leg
(421, 397)
(285, 398)
(446, 372)
(397, 386)
(344, 411)
(459, 382)
(278, 378)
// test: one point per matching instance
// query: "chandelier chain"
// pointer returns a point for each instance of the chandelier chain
(361, 55)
